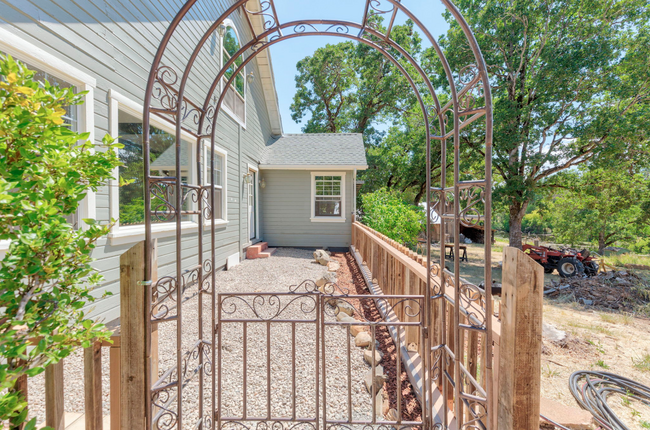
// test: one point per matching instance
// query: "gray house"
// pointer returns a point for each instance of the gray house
(286, 190)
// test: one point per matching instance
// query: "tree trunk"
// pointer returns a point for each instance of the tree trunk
(517, 212)
(602, 244)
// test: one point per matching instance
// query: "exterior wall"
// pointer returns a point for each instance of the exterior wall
(287, 203)
(114, 42)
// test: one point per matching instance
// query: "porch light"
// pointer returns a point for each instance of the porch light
(250, 78)
(221, 30)
(262, 183)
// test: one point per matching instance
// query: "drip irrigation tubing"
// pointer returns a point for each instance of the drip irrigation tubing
(591, 390)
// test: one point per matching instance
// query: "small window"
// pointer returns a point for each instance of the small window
(163, 163)
(328, 196)
(235, 98)
(220, 163)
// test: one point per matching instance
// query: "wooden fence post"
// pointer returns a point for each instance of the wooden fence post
(132, 330)
(520, 342)
(54, 412)
(93, 386)
(115, 358)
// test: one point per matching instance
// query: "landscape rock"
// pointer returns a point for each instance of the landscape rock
(344, 307)
(379, 403)
(552, 334)
(379, 380)
(322, 257)
(362, 340)
(367, 356)
(391, 415)
(356, 329)
(323, 281)
(343, 317)
(333, 266)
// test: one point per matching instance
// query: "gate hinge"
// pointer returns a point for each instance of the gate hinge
(425, 332)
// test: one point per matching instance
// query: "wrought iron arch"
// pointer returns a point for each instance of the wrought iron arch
(164, 85)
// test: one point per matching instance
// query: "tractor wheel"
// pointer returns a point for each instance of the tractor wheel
(569, 267)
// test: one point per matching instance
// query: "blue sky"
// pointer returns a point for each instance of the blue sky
(286, 54)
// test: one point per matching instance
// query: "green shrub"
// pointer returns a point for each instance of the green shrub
(46, 169)
(387, 213)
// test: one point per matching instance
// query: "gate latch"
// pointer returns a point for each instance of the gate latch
(425, 332)
(145, 283)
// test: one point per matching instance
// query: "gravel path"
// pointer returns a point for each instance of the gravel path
(285, 268)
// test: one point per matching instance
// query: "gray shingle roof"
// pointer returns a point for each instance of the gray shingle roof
(316, 149)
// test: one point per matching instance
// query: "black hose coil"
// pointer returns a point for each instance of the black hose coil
(591, 390)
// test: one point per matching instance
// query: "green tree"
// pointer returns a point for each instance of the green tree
(387, 213)
(602, 207)
(46, 277)
(570, 80)
(348, 87)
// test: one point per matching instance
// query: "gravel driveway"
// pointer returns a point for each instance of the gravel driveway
(285, 268)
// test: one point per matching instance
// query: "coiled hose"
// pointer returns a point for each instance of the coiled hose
(591, 390)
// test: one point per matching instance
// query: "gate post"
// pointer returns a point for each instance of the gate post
(133, 336)
(520, 342)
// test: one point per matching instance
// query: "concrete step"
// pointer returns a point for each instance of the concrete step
(254, 251)
(266, 254)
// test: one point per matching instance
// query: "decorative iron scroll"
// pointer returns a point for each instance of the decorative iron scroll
(472, 302)
(375, 9)
(163, 198)
(411, 307)
(266, 425)
(166, 93)
(265, 307)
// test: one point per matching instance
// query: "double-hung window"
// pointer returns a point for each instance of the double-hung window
(328, 196)
(218, 212)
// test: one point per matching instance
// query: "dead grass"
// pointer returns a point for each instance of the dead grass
(611, 342)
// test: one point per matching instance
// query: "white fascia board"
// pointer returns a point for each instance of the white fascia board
(310, 167)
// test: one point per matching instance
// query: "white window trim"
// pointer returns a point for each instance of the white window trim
(121, 235)
(224, 180)
(229, 23)
(256, 169)
(20, 49)
(315, 218)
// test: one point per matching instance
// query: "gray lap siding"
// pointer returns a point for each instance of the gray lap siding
(286, 218)
(114, 42)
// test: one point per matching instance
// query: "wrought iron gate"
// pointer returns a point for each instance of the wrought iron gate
(189, 368)
(316, 365)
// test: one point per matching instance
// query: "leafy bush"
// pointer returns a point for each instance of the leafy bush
(46, 169)
(387, 213)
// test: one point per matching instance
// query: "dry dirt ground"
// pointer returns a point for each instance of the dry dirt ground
(598, 340)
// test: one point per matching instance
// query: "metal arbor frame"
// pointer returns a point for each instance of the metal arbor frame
(457, 202)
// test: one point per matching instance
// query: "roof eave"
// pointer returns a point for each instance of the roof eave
(312, 167)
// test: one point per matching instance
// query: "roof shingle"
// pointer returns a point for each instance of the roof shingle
(316, 149)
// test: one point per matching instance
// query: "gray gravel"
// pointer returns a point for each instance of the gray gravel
(286, 267)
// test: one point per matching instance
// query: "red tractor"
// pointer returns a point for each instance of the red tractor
(568, 262)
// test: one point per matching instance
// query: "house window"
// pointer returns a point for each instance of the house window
(162, 163)
(328, 196)
(72, 115)
(235, 98)
(220, 165)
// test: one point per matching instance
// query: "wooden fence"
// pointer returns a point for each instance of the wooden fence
(395, 269)
(126, 355)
